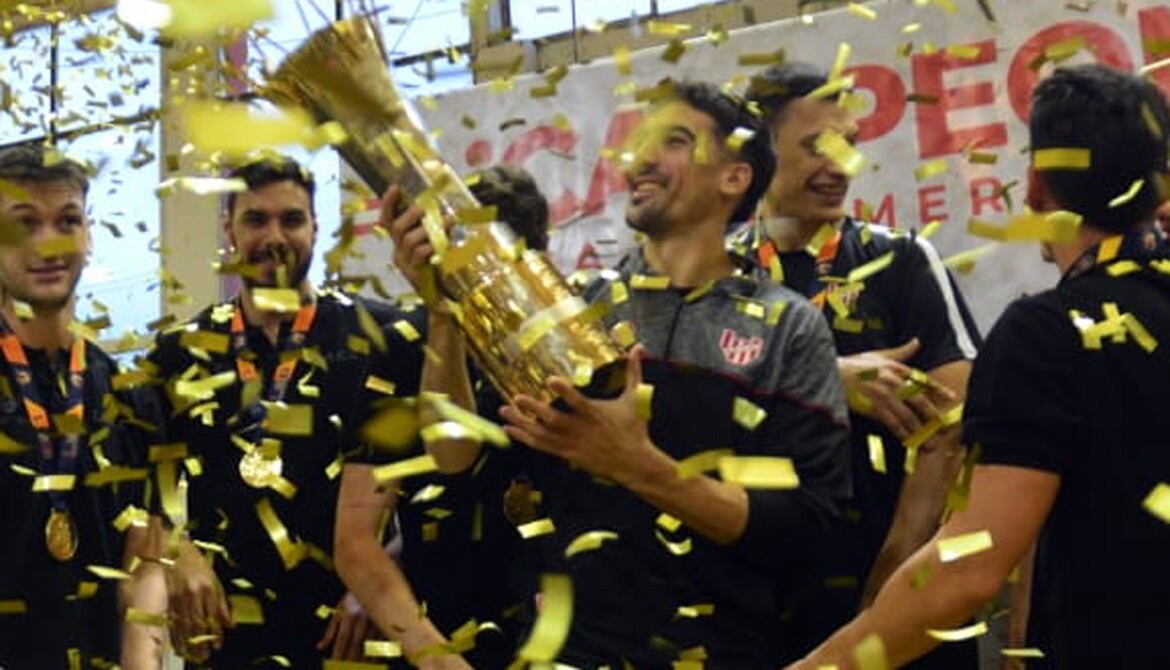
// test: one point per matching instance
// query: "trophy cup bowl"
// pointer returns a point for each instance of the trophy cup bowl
(521, 320)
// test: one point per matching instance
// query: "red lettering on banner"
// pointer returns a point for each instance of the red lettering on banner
(935, 137)
(589, 259)
(1155, 31)
(927, 205)
(889, 100)
(543, 138)
(478, 153)
(607, 177)
(885, 215)
(1106, 45)
(985, 193)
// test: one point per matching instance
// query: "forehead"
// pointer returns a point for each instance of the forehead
(42, 195)
(805, 116)
(679, 113)
(277, 196)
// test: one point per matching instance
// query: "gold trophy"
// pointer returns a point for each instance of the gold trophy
(521, 320)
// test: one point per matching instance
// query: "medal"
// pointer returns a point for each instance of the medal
(61, 535)
(260, 471)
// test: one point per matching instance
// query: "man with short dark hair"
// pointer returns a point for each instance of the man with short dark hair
(668, 562)
(906, 315)
(72, 466)
(1060, 406)
(270, 391)
(519, 203)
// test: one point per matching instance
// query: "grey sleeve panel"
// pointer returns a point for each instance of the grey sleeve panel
(808, 358)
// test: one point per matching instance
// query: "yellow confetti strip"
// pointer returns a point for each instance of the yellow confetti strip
(382, 649)
(56, 246)
(291, 552)
(131, 516)
(931, 169)
(877, 453)
(835, 147)
(964, 261)
(138, 616)
(747, 414)
(644, 398)
(963, 51)
(44, 483)
(863, 272)
(410, 467)
(704, 461)
(1108, 248)
(209, 341)
(484, 430)
(1022, 652)
(1031, 226)
(288, 419)
(1129, 195)
(959, 634)
(870, 654)
(1158, 502)
(536, 528)
(862, 11)
(375, 383)
(649, 282)
(1062, 159)
(679, 548)
(667, 29)
(108, 573)
(589, 541)
(406, 330)
(961, 546)
(759, 472)
(245, 609)
(552, 623)
(283, 300)
(13, 607)
(695, 611)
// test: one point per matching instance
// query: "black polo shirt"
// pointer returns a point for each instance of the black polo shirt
(1046, 394)
(56, 620)
(913, 296)
(337, 384)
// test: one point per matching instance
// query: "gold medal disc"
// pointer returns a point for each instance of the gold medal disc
(61, 535)
(260, 471)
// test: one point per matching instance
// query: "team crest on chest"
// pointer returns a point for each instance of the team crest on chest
(739, 350)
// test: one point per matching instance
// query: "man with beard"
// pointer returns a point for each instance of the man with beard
(1063, 403)
(905, 317)
(681, 564)
(270, 391)
(63, 505)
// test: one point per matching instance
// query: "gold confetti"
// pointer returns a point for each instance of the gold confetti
(1022, 652)
(104, 572)
(668, 522)
(704, 461)
(144, 618)
(964, 261)
(536, 528)
(551, 628)
(959, 634)
(644, 395)
(961, 546)
(406, 330)
(667, 29)
(747, 414)
(1158, 502)
(870, 654)
(195, 18)
(245, 609)
(482, 428)
(382, 649)
(680, 548)
(588, 541)
(283, 300)
(291, 552)
(863, 272)
(931, 169)
(1129, 195)
(13, 607)
(877, 453)
(695, 611)
(1062, 159)
(288, 419)
(759, 472)
(963, 51)
(410, 467)
(621, 58)
(236, 131)
(56, 246)
(649, 282)
(376, 383)
(44, 483)
(835, 147)
(862, 11)
(1058, 226)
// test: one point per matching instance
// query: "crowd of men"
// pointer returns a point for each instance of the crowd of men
(245, 494)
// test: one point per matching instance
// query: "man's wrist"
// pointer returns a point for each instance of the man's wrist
(653, 471)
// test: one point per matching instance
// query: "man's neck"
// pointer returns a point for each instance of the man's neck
(48, 329)
(269, 321)
(789, 234)
(1064, 255)
(691, 258)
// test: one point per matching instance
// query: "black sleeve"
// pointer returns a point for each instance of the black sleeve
(1020, 401)
(930, 307)
(807, 423)
(401, 364)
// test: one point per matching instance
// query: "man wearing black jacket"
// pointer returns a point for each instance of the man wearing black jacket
(689, 560)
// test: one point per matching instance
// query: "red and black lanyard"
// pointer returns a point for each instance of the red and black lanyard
(246, 369)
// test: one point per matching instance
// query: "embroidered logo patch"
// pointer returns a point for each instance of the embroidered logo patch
(738, 350)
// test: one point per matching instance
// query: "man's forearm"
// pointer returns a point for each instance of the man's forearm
(144, 592)
(445, 372)
(716, 510)
(377, 582)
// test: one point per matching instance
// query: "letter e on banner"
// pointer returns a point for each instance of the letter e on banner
(935, 137)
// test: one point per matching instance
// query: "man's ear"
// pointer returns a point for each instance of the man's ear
(228, 233)
(735, 179)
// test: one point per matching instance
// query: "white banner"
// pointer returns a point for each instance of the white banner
(970, 80)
